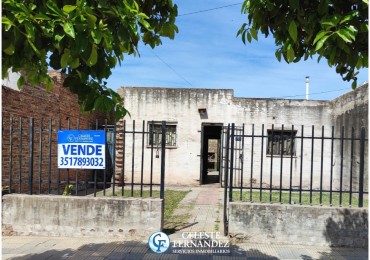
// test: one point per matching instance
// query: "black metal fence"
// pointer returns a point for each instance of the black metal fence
(295, 165)
(29, 160)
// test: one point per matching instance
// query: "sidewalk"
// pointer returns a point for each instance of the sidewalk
(205, 212)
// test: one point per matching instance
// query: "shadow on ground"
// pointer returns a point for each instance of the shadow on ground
(138, 250)
(134, 251)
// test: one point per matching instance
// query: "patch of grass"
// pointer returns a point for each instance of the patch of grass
(172, 199)
(174, 222)
(305, 199)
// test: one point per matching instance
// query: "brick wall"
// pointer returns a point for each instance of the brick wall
(50, 110)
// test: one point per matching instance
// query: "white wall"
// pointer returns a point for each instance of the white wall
(181, 106)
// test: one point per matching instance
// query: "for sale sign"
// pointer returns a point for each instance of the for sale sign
(81, 149)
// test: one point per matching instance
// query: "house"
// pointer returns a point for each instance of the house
(196, 120)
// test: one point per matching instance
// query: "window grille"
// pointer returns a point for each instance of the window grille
(281, 142)
(155, 139)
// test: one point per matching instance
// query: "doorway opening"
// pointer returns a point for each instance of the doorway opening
(211, 148)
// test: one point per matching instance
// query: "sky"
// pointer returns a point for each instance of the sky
(207, 54)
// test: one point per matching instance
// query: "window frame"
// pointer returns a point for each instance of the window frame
(173, 145)
(287, 135)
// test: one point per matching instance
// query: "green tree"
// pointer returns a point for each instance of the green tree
(84, 39)
(335, 30)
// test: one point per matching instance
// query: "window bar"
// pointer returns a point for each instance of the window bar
(11, 154)
(362, 169)
(133, 158)
(76, 184)
(58, 178)
(351, 167)
(123, 158)
(232, 162)
(322, 163)
(40, 157)
(30, 154)
(114, 143)
(242, 163)
(282, 142)
(151, 158)
(292, 151)
(263, 128)
(251, 176)
(142, 160)
(20, 154)
(272, 157)
(301, 167)
(341, 166)
(312, 148)
(95, 171)
(331, 166)
(49, 157)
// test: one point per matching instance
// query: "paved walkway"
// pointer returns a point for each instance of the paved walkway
(204, 206)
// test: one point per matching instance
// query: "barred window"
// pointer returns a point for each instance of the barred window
(281, 142)
(156, 138)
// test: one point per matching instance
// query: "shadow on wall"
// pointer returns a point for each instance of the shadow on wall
(350, 231)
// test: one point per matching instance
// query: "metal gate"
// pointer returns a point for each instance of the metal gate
(232, 147)
(135, 159)
(294, 165)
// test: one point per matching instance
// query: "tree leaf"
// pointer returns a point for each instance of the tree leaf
(30, 29)
(75, 63)
(278, 55)
(93, 56)
(69, 8)
(10, 49)
(64, 60)
(319, 36)
(5, 20)
(331, 20)
(97, 36)
(254, 33)
(343, 33)
(20, 82)
(293, 30)
(321, 42)
(290, 54)
(145, 24)
(91, 19)
(68, 29)
(249, 37)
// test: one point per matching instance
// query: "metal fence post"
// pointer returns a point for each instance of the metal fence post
(30, 153)
(163, 158)
(362, 168)
(232, 162)
(226, 179)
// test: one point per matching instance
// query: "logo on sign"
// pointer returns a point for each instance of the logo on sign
(71, 138)
(159, 242)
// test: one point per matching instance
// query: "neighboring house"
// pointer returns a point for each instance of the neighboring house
(196, 118)
(48, 110)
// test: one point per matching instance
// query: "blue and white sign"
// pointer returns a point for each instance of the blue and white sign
(159, 242)
(81, 149)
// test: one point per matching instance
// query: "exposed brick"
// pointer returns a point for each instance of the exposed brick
(47, 108)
